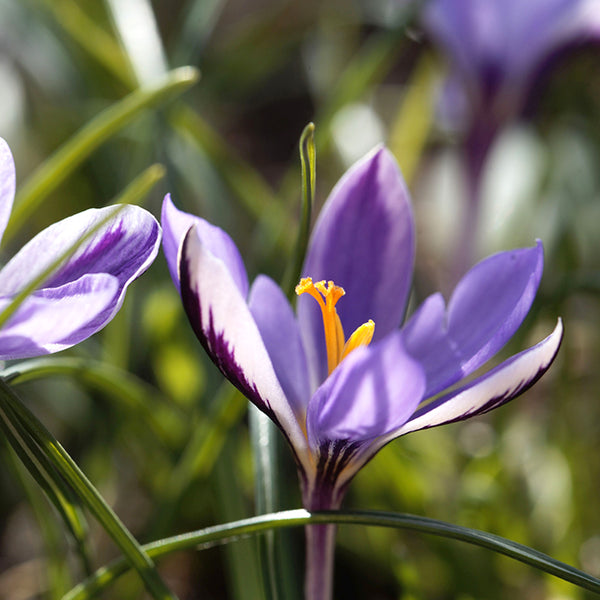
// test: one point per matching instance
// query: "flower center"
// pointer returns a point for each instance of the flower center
(327, 294)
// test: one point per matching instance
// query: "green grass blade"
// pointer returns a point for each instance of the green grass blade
(296, 518)
(308, 162)
(57, 492)
(141, 186)
(140, 397)
(97, 42)
(73, 152)
(14, 410)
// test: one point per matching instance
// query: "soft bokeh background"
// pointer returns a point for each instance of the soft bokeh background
(175, 455)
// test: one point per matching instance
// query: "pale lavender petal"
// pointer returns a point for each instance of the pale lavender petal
(372, 392)
(500, 385)
(364, 241)
(278, 328)
(226, 329)
(53, 319)
(486, 308)
(7, 184)
(124, 246)
(176, 224)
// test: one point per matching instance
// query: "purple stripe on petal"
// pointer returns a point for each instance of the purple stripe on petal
(500, 385)
(176, 224)
(364, 241)
(225, 327)
(124, 247)
(7, 184)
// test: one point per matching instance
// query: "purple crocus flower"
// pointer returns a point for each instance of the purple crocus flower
(497, 50)
(339, 398)
(85, 292)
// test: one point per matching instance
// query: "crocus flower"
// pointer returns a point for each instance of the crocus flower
(87, 289)
(497, 50)
(339, 376)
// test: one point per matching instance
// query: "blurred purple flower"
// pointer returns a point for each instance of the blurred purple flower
(87, 289)
(497, 49)
(339, 401)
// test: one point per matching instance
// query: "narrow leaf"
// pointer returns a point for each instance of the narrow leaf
(15, 411)
(73, 152)
(296, 518)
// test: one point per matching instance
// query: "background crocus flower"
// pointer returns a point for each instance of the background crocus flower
(497, 48)
(497, 51)
(338, 396)
(87, 289)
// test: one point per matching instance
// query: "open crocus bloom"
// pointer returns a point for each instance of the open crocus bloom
(87, 289)
(497, 47)
(339, 376)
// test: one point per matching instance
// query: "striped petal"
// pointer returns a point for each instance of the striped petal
(500, 385)
(176, 224)
(53, 319)
(226, 329)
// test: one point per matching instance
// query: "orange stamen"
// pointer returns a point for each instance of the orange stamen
(327, 296)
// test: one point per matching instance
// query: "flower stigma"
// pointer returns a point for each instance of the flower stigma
(327, 295)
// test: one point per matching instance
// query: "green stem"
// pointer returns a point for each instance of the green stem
(13, 410)
(300, 517)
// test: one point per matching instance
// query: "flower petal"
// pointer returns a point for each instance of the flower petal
(124, 246)
(278, 328)
(364, 241)
(500, 385)
(226, 329)
(372, 392)
(7, 184)
(486, 308)
(53, 319)
(176, 223)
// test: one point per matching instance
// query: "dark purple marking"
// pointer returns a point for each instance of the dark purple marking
(113, 251)
(491, 404)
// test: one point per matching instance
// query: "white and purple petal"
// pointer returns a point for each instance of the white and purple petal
(56, 318)
(363, 241)
(7, 184)
(226, 329)
(176, 224)
(120, 240)
(500, 385)
(278, 328)
(486, 308)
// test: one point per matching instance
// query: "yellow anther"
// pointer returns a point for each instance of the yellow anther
(327, 295)
(361, 337)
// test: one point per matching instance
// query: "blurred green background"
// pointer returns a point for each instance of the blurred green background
(173, 453)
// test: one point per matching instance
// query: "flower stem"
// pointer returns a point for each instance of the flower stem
(320, 547)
